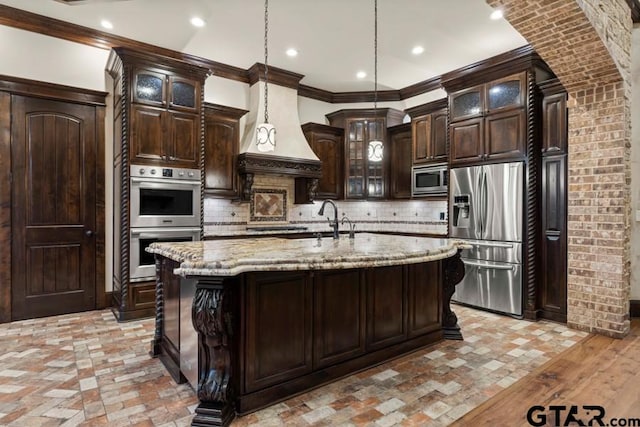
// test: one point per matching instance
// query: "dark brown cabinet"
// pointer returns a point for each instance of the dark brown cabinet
(327, 142)
(429, 132)
(553, 265)
(165, 119)
(400, 162)
(339, 317)
(163, 137)
(552, 292)
(488, 121)
(386, 306)
(279, 343)
(221, 146)
(424, 310)
(157, 120)
(554, 132)
(270, 335)
(365, 170)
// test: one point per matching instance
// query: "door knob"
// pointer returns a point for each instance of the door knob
(88, 233)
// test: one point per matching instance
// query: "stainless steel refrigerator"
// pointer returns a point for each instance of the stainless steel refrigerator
(486, 210)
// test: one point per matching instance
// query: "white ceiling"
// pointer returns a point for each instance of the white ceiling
(334, 37)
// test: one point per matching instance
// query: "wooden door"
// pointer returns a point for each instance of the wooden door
(147, 135)
(553, 260)
(328, 148)
(53, 157)
(386, 306)
(183, 141)
(466, 141)
(421, 139)
(554, 123)
(279, 335)
(439, 136)
(221, 144)
(505, 135)
(401, 161)
(339, 317)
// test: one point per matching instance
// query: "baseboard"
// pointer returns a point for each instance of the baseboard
(106, 302)
(634, 308)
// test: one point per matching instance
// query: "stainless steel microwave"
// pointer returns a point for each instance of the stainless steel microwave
(429, 180)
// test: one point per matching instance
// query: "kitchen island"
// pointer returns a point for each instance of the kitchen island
(249, 322)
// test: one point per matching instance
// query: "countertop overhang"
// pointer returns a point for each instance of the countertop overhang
(233, 257)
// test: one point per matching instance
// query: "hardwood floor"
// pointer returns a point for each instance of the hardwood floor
(597, 371)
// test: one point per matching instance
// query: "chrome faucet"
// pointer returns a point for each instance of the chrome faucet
(352, 226)
(333, 223)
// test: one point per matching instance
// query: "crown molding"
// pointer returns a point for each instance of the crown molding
(277, 76)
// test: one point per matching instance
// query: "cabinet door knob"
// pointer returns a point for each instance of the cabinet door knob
(88, 233)
(172, 158)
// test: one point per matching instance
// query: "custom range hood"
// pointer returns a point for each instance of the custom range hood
(292, 155)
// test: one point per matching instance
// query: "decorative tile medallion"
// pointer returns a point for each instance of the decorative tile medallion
(268, 205)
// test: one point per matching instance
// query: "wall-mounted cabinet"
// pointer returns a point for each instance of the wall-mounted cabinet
(429, 132)
(221, 146)
(327, 142)
(400, 161)
(554, 117)
(488, 121)
(365, 164)
(165, 118)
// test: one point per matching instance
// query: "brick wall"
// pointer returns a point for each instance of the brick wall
(587, 43)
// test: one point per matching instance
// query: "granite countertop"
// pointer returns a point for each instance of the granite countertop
(232, 257)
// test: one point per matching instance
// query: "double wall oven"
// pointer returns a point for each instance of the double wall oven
(165, 207)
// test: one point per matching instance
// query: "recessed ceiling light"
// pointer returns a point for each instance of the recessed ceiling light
(106, 24)
(292, 52)
(361, 74)
(197, 22)
(417, 50)
(496, 14)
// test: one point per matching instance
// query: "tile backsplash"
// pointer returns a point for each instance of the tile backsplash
(225, 217)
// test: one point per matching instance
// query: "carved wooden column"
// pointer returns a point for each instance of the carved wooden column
(157, 336)
(212, 319)
(453, 273)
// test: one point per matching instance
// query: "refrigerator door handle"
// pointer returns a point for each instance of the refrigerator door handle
(489, 266)
(485, 202)
(492, 245)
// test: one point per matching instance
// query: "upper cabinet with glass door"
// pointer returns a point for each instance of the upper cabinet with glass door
(365, 149)
(488, 121)
(497, 95)
(165, 90)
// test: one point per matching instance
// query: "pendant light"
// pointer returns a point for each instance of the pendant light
(376, 146)
(266, 132)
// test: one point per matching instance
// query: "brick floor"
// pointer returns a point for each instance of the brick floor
(87, 369)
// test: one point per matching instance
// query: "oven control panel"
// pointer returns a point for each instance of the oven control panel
(158, 172)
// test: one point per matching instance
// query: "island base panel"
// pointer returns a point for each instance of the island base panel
(248, 403)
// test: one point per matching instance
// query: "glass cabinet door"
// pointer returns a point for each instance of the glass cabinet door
(355, 159)
(149, 88)
(467, 103)
(183, 93)
(506, 93)
(375, 175)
